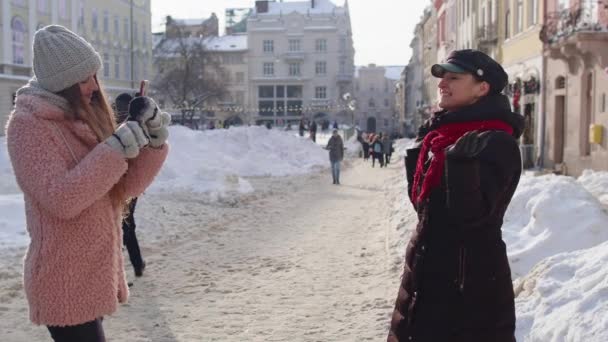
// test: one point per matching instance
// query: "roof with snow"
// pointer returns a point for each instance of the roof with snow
(190, 22)
(228, 43)
(392, 72)
(303, 7)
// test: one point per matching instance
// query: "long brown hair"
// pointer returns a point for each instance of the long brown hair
(100, 118)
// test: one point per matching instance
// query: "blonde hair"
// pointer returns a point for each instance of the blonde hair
(100, 118)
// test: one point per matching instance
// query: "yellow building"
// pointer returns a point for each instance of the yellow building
(120, 30)
(522, 58)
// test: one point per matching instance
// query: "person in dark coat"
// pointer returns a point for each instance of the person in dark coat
(129, 237)
(456, 283)
(313, 131)
(387, 145)
(335, 145)
(302, 127)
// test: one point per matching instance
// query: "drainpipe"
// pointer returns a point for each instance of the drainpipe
(543, 114)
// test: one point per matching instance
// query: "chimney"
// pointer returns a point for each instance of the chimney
(312, 3)
(261, 6)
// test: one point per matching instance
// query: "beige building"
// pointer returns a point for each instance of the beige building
(125, 45)
(301, 61)
(522, 60)
(376, 102)
(575, 135)
(429, 58)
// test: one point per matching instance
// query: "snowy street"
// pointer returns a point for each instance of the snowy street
(301, 260)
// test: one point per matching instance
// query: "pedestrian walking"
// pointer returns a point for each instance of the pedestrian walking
(365, 145)
(302, 127)
(456, 284)
(313, 131)
(335, 125)
(377, 149)
(387, 148)
(335, 145)
(76, 170)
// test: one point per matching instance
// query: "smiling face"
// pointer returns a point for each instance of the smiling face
(87, 88)
(458, 90)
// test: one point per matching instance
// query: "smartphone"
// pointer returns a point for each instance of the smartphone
(143, 86)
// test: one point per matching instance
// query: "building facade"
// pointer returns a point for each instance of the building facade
(376, 103)
(118, 29)
(522, 60)
(429, 58)
(301, 61)
(576, 111)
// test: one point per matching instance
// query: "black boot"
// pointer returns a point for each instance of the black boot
(139, 271)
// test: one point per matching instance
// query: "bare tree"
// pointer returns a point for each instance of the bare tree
(189, 74)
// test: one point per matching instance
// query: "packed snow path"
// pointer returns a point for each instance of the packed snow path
(300, 260)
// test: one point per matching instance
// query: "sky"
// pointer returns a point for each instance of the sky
(382, 29)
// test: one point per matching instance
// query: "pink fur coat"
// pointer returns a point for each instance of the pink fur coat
(73, 268)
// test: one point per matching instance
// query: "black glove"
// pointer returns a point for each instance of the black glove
(469, 145)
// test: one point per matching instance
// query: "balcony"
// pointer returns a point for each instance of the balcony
(316, 103)
(294, 56)
(487, 34)
(576, 31)
(344, 78)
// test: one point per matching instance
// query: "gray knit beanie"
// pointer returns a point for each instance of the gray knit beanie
(62, 58)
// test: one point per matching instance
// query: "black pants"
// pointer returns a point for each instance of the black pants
(379, 156)
(130, 239)
(87, 332)
(387, 158)
(365, 151)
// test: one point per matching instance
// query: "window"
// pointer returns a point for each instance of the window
(63, 9)
(372, 103)
(266, 91)
(532, 12)
(320, 92)
(126, 29)
(294, 69)
(269, 46)
(240, 77)
(520, 16)
(116, 26)
(43, 6)
(94, 18)
(342, 44)
(320, 68)
(135, 35)
(386, 103)
(321, 45)
(280, 91)
(385, 122)
(117, 67)
(240, 97)
(508, 24)
(268, 69)
(294, 45)
(81, 16)
(18, 32)
(106, 65)
(342, 67)
(603, 106)
(294, 92)
(127, 67)
(144, 36)
(106, 21)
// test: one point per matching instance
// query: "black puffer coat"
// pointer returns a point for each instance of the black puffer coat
(456, 284)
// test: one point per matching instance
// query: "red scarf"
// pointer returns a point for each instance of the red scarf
(436, 141)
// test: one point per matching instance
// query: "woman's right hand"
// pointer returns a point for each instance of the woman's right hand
(128, 139)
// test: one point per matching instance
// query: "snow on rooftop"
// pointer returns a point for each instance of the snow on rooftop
(226, 43)
(190, 22)
(304, 7)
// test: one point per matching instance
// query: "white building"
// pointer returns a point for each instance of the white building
(376, 109)
(301, 61)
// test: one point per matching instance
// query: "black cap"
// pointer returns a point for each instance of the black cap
(477, 63)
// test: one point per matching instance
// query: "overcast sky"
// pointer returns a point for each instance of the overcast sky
(382, 29)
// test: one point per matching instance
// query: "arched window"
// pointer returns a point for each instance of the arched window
(19, 33)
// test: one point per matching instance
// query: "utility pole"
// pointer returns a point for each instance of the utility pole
(132, 55)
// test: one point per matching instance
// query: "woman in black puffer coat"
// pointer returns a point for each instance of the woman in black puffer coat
(456, 284)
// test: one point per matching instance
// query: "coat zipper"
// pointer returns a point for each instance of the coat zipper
(462, 269)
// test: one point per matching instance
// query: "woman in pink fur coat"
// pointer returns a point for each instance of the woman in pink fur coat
(76, 170)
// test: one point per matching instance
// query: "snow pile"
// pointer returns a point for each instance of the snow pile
(8, 184)
(596, 182)
(215, 161)
(565, 298)
(549, 215)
